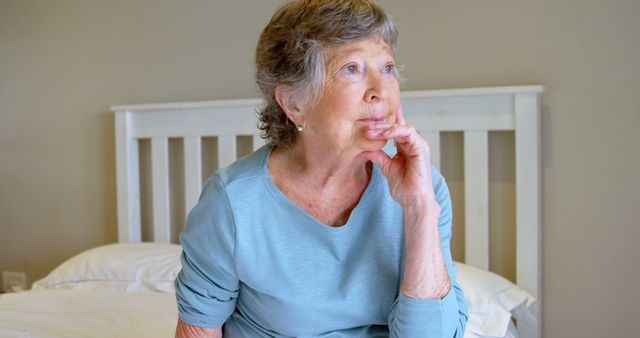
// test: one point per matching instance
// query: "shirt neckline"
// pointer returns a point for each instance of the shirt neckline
(278, 194)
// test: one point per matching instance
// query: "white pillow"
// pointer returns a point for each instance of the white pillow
(512, 332)
(493, 301)
(118, 267)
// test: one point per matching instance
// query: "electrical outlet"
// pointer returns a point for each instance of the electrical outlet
(13, 281)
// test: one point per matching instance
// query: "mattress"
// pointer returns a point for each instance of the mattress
(125, 290)
(73, 313)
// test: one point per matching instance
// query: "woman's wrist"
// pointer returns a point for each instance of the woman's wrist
(425, 274)
(420, 210)
(434, 291)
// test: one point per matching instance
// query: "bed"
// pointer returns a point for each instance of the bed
(125, 289)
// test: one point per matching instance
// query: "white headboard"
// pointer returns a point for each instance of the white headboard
(474, 112)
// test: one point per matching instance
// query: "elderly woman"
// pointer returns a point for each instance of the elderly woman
(320, 233)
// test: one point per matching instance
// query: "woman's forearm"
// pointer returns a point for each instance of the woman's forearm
(184, 330)
(425, 272)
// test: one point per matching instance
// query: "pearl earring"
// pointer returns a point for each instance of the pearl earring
(299, 127)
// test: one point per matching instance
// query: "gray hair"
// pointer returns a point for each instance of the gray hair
(292, 51)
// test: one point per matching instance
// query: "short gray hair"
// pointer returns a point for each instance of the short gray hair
(292, 51)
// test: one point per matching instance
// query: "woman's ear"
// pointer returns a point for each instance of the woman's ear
(288, 105)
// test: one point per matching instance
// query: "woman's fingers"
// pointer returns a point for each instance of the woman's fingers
(378, 157)
(382, 160)
(401, 134)
(398, 132)
(410, 145)
(388, 131)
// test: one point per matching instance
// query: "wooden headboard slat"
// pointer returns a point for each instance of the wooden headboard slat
(192, 170)
(160, 189)
(476, 195)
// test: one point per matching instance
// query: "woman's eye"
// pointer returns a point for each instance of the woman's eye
(389, 68)
(351, 69)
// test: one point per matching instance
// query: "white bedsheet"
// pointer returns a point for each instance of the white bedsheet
(66, 313)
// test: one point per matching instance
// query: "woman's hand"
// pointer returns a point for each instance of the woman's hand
(409, 171)
(410, 183)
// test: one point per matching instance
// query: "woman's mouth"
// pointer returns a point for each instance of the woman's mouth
(371, 120)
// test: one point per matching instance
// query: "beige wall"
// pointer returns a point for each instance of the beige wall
(63, 63)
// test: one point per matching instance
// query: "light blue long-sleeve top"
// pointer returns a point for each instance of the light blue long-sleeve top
(264, 267)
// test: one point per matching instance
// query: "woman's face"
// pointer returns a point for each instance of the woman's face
(361, 88)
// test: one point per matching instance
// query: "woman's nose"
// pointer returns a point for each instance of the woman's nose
(376, 89)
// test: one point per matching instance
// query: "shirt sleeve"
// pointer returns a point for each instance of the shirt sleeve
(446, 317)
(207, 286)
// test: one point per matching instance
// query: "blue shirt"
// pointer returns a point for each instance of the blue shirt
(254, 260)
